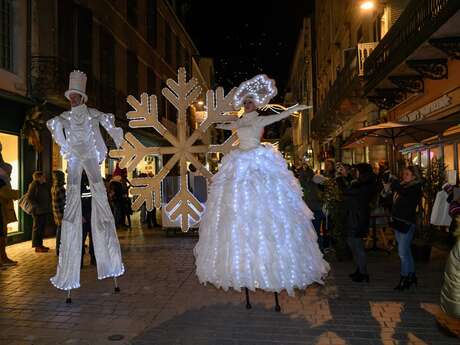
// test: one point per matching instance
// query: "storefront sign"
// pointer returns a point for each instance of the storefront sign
(428, 109)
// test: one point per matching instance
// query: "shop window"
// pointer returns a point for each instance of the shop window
(424, 159)
(10, 154)
(449, 157)
(435, 152)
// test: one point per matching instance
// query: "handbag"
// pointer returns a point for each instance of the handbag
(401, 225)
(25, 204)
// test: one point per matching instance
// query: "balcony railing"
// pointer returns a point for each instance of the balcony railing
(50, 79)
(420, 19)
(342, 88)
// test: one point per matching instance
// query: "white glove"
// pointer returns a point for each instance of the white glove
(299, 107)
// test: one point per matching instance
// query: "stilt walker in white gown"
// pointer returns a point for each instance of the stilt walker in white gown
(77, 132)
(256, 232)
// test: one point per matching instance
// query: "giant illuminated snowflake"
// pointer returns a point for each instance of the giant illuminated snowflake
(183, 207)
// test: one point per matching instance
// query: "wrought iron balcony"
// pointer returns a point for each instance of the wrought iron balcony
(419, 21)
(334, 109)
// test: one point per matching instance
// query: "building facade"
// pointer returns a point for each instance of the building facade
(124, 46)
(300, 90)
(346, 33)
(412, 75)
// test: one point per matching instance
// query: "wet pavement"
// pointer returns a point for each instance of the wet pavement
(162, 302)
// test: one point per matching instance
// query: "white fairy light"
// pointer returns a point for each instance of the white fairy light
(260, 88)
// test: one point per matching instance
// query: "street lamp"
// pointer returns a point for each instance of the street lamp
(367, 5)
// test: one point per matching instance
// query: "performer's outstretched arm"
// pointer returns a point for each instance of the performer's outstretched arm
(227, 126)
(108, 122)
(268, 120)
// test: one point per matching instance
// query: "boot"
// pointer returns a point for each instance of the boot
(4, 259)
(411, 280)
(355, 273)
(402, 284)
(360, 277)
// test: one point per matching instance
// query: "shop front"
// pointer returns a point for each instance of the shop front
(441, 100)
(20, 155)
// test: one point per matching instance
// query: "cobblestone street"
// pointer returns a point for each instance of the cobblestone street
(161, 302)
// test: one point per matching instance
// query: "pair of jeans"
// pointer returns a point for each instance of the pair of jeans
(317, 221)
(38, 229)
(359, 253)
(58, 239)
(404, 250)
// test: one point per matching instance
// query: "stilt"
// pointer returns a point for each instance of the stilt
(117, 288)
(277, 303)
(68, 299)
(248, 304)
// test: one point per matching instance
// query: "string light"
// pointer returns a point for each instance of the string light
(260, 88)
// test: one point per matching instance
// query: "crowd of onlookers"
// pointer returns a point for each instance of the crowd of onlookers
(367, 194)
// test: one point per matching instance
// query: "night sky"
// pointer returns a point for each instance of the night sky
(246, 38)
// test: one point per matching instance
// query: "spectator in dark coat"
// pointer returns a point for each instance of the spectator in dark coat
(357, 202)
(58, 203)
(312, 197)
(407, 196)
(115, 192)
(40, 197)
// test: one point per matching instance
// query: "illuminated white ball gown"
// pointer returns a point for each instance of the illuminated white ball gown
(256, 231)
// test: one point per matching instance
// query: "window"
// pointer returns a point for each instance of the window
(188, 62)
(359, 34)
(152, 22)
(179, 53)
(168, 43)
(107, 70)
(132, 77)
(131, 12)
(151, 83)
(10, 154)
(6, 26)
(84, 43)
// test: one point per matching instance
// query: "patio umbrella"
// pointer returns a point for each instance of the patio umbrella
(399, 133)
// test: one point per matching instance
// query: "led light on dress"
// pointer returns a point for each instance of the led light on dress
(256, 231)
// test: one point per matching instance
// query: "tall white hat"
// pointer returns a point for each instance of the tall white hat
(77, 84)
(260, 88)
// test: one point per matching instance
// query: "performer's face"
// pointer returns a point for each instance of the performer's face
(249, 105)
(75, 99)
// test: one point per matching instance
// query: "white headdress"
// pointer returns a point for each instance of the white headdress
(260, 88)
(77, 84)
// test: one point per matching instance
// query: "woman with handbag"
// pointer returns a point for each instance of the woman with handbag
(407, 196)
(7, 213)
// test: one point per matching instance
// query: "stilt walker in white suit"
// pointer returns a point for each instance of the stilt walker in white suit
(78, 134)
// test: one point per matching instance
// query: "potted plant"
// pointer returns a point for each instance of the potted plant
(333, 202)
(434, 178)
